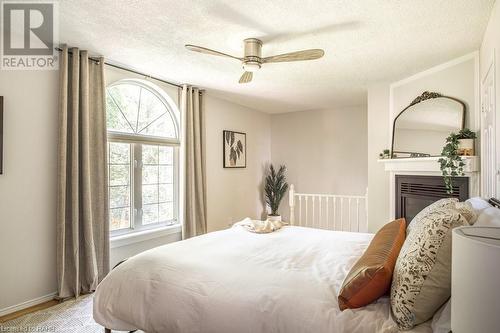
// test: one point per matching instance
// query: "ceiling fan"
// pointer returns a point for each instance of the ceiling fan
(252, 59)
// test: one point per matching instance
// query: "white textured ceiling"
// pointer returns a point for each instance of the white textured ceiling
(364, 41)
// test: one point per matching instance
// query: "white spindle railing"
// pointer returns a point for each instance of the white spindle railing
(332, 212)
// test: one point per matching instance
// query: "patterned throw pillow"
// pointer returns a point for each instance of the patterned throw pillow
(442, 203)
(422, 276)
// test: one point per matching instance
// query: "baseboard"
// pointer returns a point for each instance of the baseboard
(27, 304)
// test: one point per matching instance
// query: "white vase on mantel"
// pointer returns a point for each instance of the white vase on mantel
(274, 218)
(465, 147)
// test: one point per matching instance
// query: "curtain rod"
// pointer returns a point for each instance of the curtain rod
(96, 60)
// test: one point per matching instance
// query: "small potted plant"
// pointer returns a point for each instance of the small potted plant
(451, 162)
(275, 188)
(386, 153)
(466, 142)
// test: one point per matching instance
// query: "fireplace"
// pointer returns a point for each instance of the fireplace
(414, 193)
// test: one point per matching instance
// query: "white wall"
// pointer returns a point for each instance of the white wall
(325, 151)
(28, 186)
(234, 194)
(458, 78)
(378, 179)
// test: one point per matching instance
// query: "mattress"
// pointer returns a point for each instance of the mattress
(237, 281)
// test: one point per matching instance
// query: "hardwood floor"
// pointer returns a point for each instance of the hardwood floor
(31, 309)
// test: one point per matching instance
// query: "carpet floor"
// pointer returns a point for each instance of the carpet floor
(73, 316)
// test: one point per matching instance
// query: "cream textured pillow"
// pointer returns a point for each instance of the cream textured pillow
(421, 282)
(467, 211)
(442, 203)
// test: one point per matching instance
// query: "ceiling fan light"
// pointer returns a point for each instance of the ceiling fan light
(251, 66)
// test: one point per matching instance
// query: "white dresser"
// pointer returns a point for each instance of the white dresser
(475, 280)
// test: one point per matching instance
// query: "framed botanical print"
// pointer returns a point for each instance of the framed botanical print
(235, 149)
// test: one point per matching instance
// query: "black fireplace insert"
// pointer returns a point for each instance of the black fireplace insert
(414, 193)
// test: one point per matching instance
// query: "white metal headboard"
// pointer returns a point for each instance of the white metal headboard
(329, 211)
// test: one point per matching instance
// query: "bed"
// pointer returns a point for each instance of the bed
(237, 281)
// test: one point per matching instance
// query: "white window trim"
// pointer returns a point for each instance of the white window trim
(144, 235)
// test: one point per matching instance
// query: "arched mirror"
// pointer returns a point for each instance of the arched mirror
(421, 129)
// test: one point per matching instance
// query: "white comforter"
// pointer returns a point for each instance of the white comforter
(234, 281)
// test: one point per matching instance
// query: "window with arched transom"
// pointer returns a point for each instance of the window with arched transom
(143, 149)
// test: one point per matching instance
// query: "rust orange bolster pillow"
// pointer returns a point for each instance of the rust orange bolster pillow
(370, 277)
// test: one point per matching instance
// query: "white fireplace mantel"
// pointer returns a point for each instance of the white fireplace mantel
(426, 164)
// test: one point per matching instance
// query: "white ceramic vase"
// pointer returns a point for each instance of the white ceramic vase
(274, 218)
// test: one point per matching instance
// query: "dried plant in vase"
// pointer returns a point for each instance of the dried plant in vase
(275, 189)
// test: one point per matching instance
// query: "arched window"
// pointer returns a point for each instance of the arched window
(143, 141)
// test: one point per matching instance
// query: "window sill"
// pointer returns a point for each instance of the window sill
(140, 236)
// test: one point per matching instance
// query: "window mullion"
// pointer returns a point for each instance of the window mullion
(119, 109)
(158, 183)
(138, 111)
(138, 184)
(176, 183)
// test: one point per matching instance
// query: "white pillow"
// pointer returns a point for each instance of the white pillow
(478, 205)
(490, 217)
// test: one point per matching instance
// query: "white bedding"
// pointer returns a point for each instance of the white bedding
(235, 281)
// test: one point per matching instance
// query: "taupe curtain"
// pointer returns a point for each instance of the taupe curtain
(195, 211)
(82, 205)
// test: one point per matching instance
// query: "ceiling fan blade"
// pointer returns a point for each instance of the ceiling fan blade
(238, 16)
(209, 51)
(246, 77)
(296, 56)
(346, 26)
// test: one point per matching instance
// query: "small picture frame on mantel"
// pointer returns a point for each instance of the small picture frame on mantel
(1, 135)
(234, 149)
